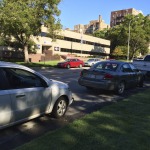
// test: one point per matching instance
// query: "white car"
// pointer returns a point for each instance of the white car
(91, 61)
(26, 94)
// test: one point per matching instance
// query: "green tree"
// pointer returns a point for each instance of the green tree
(21, 19)
(101, 33)
(120, 51)
(139, 35)
(112, 34)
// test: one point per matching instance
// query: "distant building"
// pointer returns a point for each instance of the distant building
(93, 25)
(118, 16)
(68, 44)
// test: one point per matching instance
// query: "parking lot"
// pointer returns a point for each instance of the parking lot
(85, 102)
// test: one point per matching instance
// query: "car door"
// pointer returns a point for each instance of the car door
(136, 73)
(30, 97)
(72, 62)
(5, 102)
(78, 62)
(128, 75)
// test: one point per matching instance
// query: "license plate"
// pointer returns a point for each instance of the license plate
(92, 76)
(99, 77)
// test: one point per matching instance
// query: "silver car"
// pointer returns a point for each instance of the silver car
(26, 94)
(90, 62)
(111, 75)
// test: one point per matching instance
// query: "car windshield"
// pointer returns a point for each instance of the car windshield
(106, 66)
(67, 60)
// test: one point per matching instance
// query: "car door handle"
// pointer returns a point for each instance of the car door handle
(21, 95)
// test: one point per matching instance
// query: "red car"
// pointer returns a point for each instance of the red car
(71, 62)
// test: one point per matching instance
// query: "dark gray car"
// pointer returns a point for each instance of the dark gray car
(111, 75)
(26, 94)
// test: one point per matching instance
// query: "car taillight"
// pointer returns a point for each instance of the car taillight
(108, 76)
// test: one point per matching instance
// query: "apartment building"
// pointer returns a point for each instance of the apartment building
(93, 25)
(118, 15)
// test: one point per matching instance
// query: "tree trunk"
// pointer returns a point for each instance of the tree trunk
(26, 57)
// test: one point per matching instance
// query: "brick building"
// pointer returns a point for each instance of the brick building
(117, 16)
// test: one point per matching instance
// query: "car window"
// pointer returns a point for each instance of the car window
(106, 66)
(19, 78)
(91, 60)
(147, 58)
(126, 68)
(3, 82)
(133, 68)
(67, 60)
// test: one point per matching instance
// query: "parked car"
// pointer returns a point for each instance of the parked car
(111, 75)
(26, 94)
(143, 65)
(91, 61)
(71, 62)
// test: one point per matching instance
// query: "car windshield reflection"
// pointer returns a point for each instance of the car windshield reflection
(67, 60)
(106, 66)
(90, 60)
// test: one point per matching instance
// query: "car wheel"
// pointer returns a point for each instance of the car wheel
(60, 108)
(68, 66)
(120, 88)
(80, 66)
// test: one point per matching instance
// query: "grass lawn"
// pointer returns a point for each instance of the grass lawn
(124, 125)
(40, 64)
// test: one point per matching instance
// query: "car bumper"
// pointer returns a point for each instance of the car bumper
(103, 84)
(71, 98)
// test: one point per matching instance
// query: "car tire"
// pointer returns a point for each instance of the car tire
(120, 88)
(68, 66)
(80, 66)
(60, 108)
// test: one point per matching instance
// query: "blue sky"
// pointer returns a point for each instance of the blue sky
(75, 12)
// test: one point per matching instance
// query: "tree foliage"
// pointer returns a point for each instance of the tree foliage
(119, 51)
(101, 33)
(21, 19)
(139, 35)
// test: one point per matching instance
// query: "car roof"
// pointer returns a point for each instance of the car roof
(114, 61)
(8, 64)
(4, 63)
(13, 65)
(71, 58)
